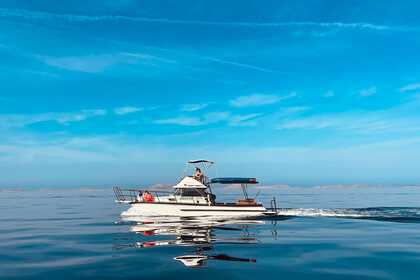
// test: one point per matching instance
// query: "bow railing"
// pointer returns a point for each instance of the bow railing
(135, 195)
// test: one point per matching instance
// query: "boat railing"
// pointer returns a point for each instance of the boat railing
(136, 195)
(273, 204)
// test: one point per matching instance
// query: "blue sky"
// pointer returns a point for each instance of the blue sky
(293, 92)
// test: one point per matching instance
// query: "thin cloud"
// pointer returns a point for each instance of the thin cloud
(360, 122)
(212, 118)
(182, 121)
(220, 61)
(65, 118)
(215, 117)
(87, 64)
(292, 111)
(207, 119)
(127, 110)
(237, 64)
(99, 63)
(244, 120)
(397, 119)
(259, 99)
(193, 107)
(368, 91)
(410, 87)
(34, 15)
(148, 57)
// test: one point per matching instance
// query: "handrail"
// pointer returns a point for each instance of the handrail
(135, 195)
(142, 190)
(125, 196)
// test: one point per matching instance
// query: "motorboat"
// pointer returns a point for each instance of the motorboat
(192, 196)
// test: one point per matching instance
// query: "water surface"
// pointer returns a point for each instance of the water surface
(349, 233)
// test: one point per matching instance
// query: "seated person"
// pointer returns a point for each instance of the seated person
(139, 196)
(148, 197)
(198, 175)
(211, 197)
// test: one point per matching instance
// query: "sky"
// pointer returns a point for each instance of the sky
(303, 92)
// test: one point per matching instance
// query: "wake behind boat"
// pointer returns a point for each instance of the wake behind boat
(193, 197)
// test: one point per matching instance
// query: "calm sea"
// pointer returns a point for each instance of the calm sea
(323, 233)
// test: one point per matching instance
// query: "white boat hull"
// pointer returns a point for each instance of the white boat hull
(193, 210)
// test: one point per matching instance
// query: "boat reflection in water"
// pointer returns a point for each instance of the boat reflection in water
(199, 234)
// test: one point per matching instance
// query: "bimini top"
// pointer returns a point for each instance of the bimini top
(201, 161)
(189, 183)
(233, 181)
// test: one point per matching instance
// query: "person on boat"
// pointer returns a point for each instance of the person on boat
(211, 198)
(148, 197)
(198, 175)
(139, 196)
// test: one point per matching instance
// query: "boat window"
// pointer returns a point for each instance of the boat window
(190, 192)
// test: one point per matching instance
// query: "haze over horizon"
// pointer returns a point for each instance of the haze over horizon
(125, 92)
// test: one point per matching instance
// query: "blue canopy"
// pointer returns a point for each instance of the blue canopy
(233, 181)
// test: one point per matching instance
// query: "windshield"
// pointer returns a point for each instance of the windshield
(190, 192)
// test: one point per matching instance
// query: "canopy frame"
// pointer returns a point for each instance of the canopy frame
(200, 161)
(204, 165)
(243, 182)
(234, 180)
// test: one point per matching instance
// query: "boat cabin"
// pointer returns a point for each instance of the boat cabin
(189, 190)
